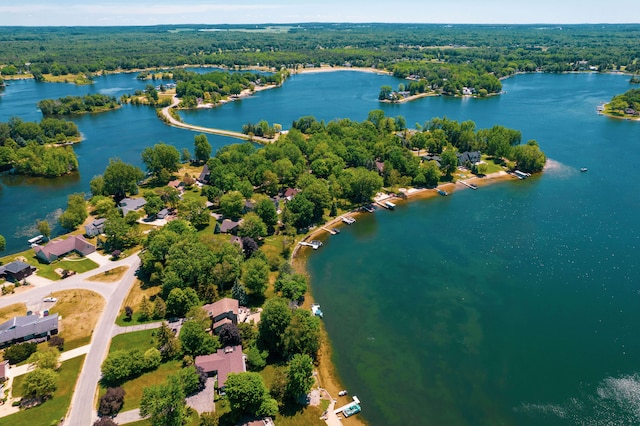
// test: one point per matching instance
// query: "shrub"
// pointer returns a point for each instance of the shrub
(111, 402)
(20, 352)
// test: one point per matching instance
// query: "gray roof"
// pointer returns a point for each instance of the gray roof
(14, 267)
(228, 225)
(129, 204)
(20, 327)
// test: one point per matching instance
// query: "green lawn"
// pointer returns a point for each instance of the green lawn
(55, 408)
(142, 340)
(48, 270)
(492, 167)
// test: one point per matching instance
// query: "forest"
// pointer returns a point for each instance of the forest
(28, 147)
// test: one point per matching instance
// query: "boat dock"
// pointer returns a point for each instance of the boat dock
(470, 185)
(368, 208)
(331, 231)
(348, 220)
(315, 244)
(353, 403)
(521, 175)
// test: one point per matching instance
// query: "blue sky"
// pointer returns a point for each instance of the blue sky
(151, 12)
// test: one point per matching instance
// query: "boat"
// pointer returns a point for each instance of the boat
(389, 205)
(584, 169)
(351, 410)
(315, 310)
(443, 192)
(335, 230)
(368, 208)
(35, 240)
(348, 220)
(521, 175)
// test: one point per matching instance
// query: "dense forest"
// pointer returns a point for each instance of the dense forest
(501, 50)
(27, 147)
(77, 104)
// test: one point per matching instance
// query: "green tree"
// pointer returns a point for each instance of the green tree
(385, 92)
(41, 383)
(47, 358)
(256, 275)
(180, 301)
(360, 184)
(299, 376)
(185, 155)
(119, 234)
(76, 212)
(231, 204)
(253, 227)
(121, 178)
(266, 210)
(167, 342)
(145, 310)
(302, 335)
(448, 160)
(3, 243)
(161, 157)
(154, 204)
(247, 394)
(43, 228)
(195, 212)
(165, 403)
(292, 286)
(196, 341)
(202, 148)
(529, 158)
(274, 320)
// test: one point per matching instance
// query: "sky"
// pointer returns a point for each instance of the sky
(212, 12)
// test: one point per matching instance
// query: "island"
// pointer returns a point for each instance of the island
(74, 105)
(626, 106)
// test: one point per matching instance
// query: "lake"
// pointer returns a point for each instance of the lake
(516, 304)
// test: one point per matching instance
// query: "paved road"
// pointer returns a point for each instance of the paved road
(82, 411)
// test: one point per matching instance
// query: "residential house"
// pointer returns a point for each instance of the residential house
(222, 363)
(16, 270)
(430, 157)
(468, 158)
(290, 193)
(224, 311)
(28, 327)
(95, 228)
(131, 204)
(204, 175)
(229, 226)
(162, 214)
(57, 249)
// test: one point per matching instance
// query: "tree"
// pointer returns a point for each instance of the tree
(385, 92)
(165, 403)
(195, 212)
(256, 275)
(104, 421)
(247, 393)
(274, 320)
(179, 301)
(249, 246)
(159, 308)
(193, 379)
(76, 212)
(154, 204)
(239, 293)
(152, 358)
(529, 158)
(161, 158)
(145, 309)
(41, 383)
(44, 228)
(202, 148)
(57, 342)
(253, 227)
(3, 243)
(360, 184)
(231, 204)
(128, 313)
(292, 286)
(229, 335)
(302, 335)
(47, 358)
(448, 160)
(97, 185)
(196, 341)
(167, 343)
(111, 402)
(299, 376)
(119, 234)
(209, 418)
(121, 178)
(266, 210)
(19, 352)
(185, 155)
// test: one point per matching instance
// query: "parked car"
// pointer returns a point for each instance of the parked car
(50, 299)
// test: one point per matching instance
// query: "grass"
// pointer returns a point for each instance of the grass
(48, 270)
(134, 299)
(8, 312)
(67, 78)
(133, 388)
(110, 276)
(142, 340)
(55, 408)
(492, 166)
(80, 310)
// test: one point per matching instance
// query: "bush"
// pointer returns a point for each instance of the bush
(20, 352)
(57, 341)
(111, 402)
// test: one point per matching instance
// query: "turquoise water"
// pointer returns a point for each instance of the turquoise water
(516, 304)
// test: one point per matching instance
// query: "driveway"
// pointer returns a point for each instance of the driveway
(202, 402)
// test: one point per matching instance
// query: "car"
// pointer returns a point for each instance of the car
(50, 299)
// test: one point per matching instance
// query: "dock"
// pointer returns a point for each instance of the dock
(521, 175)
(355, 402)
(348, 220)
(470, 185)
(331, 231)
(315, 244)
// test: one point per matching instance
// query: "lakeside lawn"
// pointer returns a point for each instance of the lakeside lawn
(80, 311)
(53, 409)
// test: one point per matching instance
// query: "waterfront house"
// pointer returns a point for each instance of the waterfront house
(468, 158)
(28, 327)
(16, 271)
(222, 363)
(60, 248)
(224, 311)
(204, 175)
(95, 228)
(131, 204)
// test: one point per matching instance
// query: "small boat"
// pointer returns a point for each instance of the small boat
(35, 240)
(348, 220)
(342, 393)
(350, 411)
(443, 192)
(368, 208)
(315, 310)
(335, 230)
(389, 205)
(584, 169)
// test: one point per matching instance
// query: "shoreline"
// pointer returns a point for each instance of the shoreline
(328, 377)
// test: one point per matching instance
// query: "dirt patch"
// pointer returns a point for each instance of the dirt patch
(80, 311)
(8, 312)
(134, 298)
(110, 276)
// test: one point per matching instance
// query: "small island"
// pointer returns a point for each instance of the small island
(73, 105)
(626, 105)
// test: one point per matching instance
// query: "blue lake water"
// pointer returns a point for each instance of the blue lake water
(516, 304)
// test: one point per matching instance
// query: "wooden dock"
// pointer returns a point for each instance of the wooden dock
(331, 231)
(470, 185)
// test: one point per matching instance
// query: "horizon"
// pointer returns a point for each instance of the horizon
(74, 13)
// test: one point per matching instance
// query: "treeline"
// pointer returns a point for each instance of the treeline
(501, 50)
(627, 103)
(212, 87)
(77, 104)
(26, 147)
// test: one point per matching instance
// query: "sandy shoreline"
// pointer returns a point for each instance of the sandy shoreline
(338, 68)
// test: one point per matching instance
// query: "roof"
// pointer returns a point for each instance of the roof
(129, 204)
(224, 361)
(175, 183)
(234, 239)
(19, 327)
(14, 267)
(228, 225)
(204, 175)
(291, 192)
(162, 213)
(222, 306)
(471, 156)
(62, 247)
(96, 227)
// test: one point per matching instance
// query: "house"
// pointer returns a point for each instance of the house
(224, 311)
(435, 158)
(204, 175)
(57, 249)
(222, 363)
(229, 226)
(20, 329)
(95, 228)
(176, 184)
(248, 206)
(468, 158)
(16, 270)
(131, 204)
(236, 240)
(162, 214)
(290, 193)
